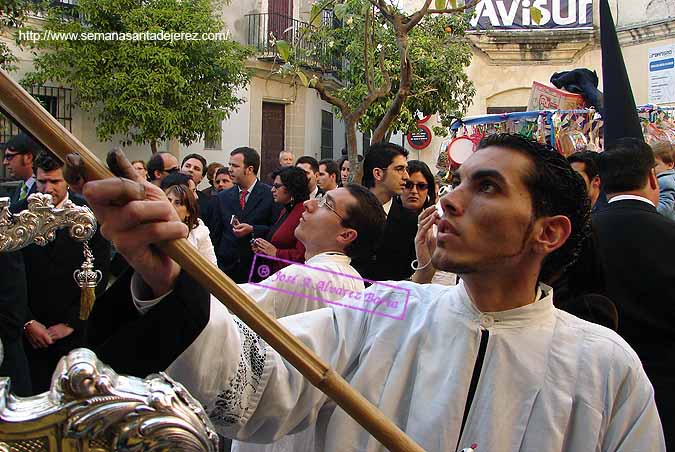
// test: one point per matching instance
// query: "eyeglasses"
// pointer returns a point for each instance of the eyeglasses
(277, 186)
(420, 185)
(323, 202)
(9, 156)
(401, 169)
(171, 170)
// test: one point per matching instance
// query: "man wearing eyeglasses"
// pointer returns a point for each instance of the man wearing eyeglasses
(385, 173)
(161, 165)
(20, 152)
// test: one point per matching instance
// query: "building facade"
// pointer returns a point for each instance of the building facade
(274, 116)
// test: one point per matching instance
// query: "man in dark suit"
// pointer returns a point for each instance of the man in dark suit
(20, 152)
(311, 167)
(635, 246)
(12, 312)
(251, 204)
(53, 326)
(385, 173)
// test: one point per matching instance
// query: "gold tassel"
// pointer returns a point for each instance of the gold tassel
(87, 279)
(87, 298)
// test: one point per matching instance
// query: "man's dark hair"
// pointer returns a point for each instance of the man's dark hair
(24, 144)
(589, 159)
(418, 166)
(156, 163)
(310, 160)
(176, 178)
(556, 189)
(222, 170)
(379, 155)
(625, 165)
(295, 180)
(331, 168)
(251, 157)
(367, 217)
(46, 161)
(198, 157)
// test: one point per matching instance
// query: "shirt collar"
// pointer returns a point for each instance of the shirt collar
(332, 257)
(249, 189)
(64, 201)
(531, 313)
(633, 197)
(29, 182)
(313, 194)
(387, 206)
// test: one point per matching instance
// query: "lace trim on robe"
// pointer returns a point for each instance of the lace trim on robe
(233, 403)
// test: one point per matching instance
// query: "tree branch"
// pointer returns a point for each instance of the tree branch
(416, 17)
(331, 99)
(382, 6)
(402, 93)
(459, 9)
(369, 79)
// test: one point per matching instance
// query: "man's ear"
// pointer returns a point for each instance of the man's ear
(551, 233)
(653, 180)
(347, 236)
(378, 174)
(595, 183)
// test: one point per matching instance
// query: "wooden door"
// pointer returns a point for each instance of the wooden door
(280, 18)
(273, 126)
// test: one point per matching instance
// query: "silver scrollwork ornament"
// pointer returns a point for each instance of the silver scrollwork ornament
(38, 224)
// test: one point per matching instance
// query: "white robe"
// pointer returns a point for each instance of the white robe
(549, 381)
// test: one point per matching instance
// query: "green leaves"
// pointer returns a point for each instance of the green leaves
(536, 15)
(303, 78)
(147, 90)
(284, 49)
(440, 4)
(340, 11)
(315, 15)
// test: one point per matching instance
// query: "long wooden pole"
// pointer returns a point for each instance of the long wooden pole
(47, 130)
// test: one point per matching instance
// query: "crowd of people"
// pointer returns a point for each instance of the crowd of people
(499, 359)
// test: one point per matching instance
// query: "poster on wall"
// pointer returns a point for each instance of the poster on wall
(517, 15)
(661, 69)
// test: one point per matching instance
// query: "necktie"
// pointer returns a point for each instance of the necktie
(242, 198)
(24, 191)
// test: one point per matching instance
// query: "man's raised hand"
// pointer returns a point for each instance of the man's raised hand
(135, 215)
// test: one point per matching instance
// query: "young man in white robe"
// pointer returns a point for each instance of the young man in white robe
(488, 364)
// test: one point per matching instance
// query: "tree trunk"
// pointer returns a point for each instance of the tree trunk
(153, 146)
(355, 171)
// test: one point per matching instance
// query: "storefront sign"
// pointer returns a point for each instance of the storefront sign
(662, 74)
(421, 138)
(517, 14)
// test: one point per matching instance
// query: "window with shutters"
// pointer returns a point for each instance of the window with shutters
(326, 134)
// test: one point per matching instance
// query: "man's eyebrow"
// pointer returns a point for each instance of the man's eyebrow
(489, 174)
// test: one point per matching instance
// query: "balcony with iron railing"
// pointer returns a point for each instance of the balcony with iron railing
(265, 28)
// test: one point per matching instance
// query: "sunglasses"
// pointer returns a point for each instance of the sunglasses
(9, 156)
(420, 185)
(277, 186)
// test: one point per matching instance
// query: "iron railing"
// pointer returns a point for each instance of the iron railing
(56, 100)
(265, 28)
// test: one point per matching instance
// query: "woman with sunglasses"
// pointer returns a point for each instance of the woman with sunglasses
(420, 189)
(290, 190)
